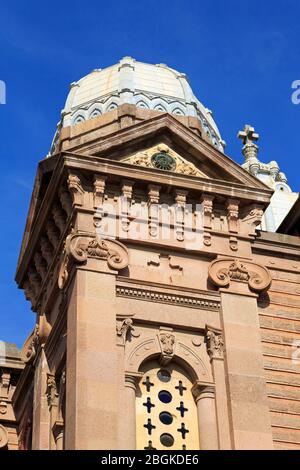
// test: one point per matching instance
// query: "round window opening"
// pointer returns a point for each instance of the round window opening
(163, 161)
(164, 375)
(167, 440)
(165, 417)
(165, 396)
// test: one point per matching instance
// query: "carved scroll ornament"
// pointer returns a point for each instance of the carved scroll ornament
(81, 246)
(222, 271)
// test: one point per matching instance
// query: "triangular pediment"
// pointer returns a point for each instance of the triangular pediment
(197, 157)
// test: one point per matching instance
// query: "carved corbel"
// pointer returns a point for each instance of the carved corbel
(59, 218)
(40, 264)
(99, 190)
(66, 201)
(225, 271)
(76, 189)
(35, 281)
(180, 198)
(167, 342)
(207, 214)
(126, 199)
(233, 215)
(79, 246)
(47, 248)
(214, 343)
(252, 217)
(153, 209)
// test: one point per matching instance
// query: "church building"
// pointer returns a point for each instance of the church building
(164, 278)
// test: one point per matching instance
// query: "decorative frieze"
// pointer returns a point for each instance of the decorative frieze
(223, 271)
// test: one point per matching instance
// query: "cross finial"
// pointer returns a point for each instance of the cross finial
(249, 137)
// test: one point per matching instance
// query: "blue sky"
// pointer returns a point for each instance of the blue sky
(241, 58)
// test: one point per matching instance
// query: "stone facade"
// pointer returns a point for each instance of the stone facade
(164, 318)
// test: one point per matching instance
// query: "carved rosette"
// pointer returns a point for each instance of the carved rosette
(223, 271)
(79, 246)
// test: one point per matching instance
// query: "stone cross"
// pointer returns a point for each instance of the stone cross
(248, 135)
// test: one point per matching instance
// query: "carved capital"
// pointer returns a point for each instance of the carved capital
(79, 246)
(166, 340)
(214, 343)
(223, 271)
(132, 379)
(203, 390)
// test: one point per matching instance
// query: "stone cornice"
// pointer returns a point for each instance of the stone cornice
(214, 186)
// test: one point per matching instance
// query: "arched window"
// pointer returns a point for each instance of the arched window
(166, 413)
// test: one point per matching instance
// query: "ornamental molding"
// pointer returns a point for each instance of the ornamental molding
(163, 297)
(79, 246)
(176, 163)
(222, 272)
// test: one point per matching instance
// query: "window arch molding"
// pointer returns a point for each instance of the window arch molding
(149, 348)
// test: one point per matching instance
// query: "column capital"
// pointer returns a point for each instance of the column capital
(203, 390)
(132, 379)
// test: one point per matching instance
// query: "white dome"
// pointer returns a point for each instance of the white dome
(147, 86)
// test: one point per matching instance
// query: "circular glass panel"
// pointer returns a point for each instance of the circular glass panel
(163, 161)
(165, 417)
(164, 375)
(165, 396)
(167, 440)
